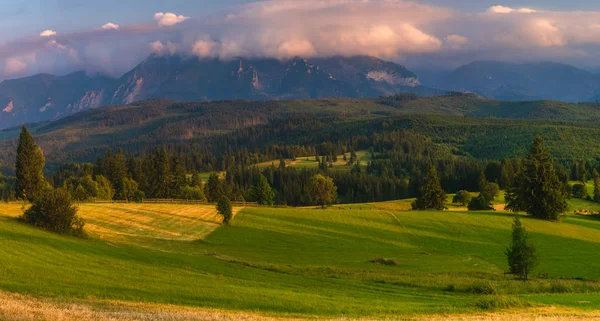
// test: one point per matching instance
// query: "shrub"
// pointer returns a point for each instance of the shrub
(486, 288)
(54, 211)
(499, 302)
(462, 197)
(450, 288)
(558, 286)
(384, 261)
(481, 203)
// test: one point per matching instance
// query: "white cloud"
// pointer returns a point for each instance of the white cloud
(48, 33)
(17, 65)
(204, 48)
(398, 30)
(169, 19)
(503, 9)
(159, 48)
(110, 26)
(287, 28)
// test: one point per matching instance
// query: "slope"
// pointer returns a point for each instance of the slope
(301, 262)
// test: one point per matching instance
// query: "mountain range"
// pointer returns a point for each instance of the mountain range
(44, 97)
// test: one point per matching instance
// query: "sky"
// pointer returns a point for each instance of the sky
(112, 36)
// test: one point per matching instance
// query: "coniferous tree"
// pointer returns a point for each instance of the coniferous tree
(596, 186)
(213, 189)
(29, 167)
(224, 208)
(480, 203)
(537, 190)
(430, 196)
(520, 253)
(117, 167)
(507, 175)
(161, 178)
(178, 178)
(262, 191)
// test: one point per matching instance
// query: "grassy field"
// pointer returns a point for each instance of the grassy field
(310, 162)
(295, 263)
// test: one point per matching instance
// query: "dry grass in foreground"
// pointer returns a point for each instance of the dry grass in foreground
(17, 307)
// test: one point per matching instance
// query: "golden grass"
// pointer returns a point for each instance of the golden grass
(18, 307)
(128, 222)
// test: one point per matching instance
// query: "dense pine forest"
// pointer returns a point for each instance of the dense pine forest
(158, 149)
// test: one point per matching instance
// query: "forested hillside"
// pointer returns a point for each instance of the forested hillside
(464, 124)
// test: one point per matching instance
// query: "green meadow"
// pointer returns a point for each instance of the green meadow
(303, 262)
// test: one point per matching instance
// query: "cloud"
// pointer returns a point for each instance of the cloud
(404, 31)
(110, 26)
(157, 47)
(456, 41)
(287, 28)
(169, 19)
(503, 9)
(15, 66)
(204, 48)
(48, 33)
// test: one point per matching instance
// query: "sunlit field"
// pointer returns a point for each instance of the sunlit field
(296, 263)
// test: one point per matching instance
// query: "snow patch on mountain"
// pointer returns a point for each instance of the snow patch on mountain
(9, 107)
(91, 99)
(47, 106)
(393, 79)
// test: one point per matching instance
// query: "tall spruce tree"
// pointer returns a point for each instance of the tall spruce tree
(430, 195)
(29, 165)
(262, 191)
(537, 189)
(520, 253)
(161, 174)
(213, 190)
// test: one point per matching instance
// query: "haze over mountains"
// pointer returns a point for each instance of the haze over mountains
(44, 97)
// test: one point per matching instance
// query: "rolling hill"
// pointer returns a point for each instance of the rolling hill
(293, 263)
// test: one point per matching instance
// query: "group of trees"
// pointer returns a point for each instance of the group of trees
(51, 208)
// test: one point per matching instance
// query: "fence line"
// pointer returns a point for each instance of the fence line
(111, 201)
(174, 201)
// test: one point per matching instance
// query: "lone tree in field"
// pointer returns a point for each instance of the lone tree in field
(224, 208)
(462, 198)
(537, 189)
(324, 190)
(430, 196)
(30, 161)
(520, 253)
(262, 191)
(53, 210)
